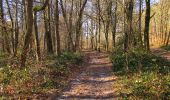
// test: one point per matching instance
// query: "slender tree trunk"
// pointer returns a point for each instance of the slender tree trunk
(79, 26)
(57, 29)
(6, 44)
(147, 22)
(68, 24)
(99, 23)
(167, 42)
(48, 35)
(140, 21)
(16, 30)
(96, 36)
(114, 25)
(92, 34)
(47, 25)
(28, 36)
(12, 24)
(37, 36)
(36, 29)
(129, 30)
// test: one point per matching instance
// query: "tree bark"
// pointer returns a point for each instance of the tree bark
(147, 22)
(140, 21)
(5, 41)
(57, 28)
(79, 25)
(29, 22)
(114, 26)
(129, 30)
(12, 24)
(36, 28)
(16, 30)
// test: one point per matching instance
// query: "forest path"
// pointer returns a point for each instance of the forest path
(161, 52)
(95, 82)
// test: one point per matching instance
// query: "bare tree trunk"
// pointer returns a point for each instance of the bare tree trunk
(36, 29)
(48, 35)
(92, 34)
(68, 24)
(129, 15)
(5, 40)
(114, 26)
(37, 36)
(96, 36)
(57, 28)
(140, 21)
(167, 42)
(16, 30)
(147, 21)
(99, 23)
(28, 36)
(79, 25)
(12, 24)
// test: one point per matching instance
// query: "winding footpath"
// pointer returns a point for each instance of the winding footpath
(95, 82)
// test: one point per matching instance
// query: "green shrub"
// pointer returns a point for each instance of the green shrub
(70, 57)
(59, 64)
(138, 58)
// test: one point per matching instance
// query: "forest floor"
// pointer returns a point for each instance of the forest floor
(161, 52)
(97, 81)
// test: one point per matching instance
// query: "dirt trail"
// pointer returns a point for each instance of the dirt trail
(162, 53)
(95, 82)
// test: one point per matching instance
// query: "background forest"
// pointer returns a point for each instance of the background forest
(43, 45)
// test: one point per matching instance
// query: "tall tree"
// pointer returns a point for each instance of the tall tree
(69, 23)
(12, 25)
(99, 23)
(36, 10)
(47, 26)
(114, 25)
(16, 28)
(140, 23)
(129, 30)
(147, 22)
(57, 28)
(5, 41)
(28, 36)
(79, 25)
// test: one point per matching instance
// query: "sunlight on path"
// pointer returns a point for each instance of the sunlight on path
(96, 82)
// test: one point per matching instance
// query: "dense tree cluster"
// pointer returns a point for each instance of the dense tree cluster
(51, 26)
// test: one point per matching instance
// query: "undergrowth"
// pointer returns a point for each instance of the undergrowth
(37, 79)
(147, 76)
(166, 47)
